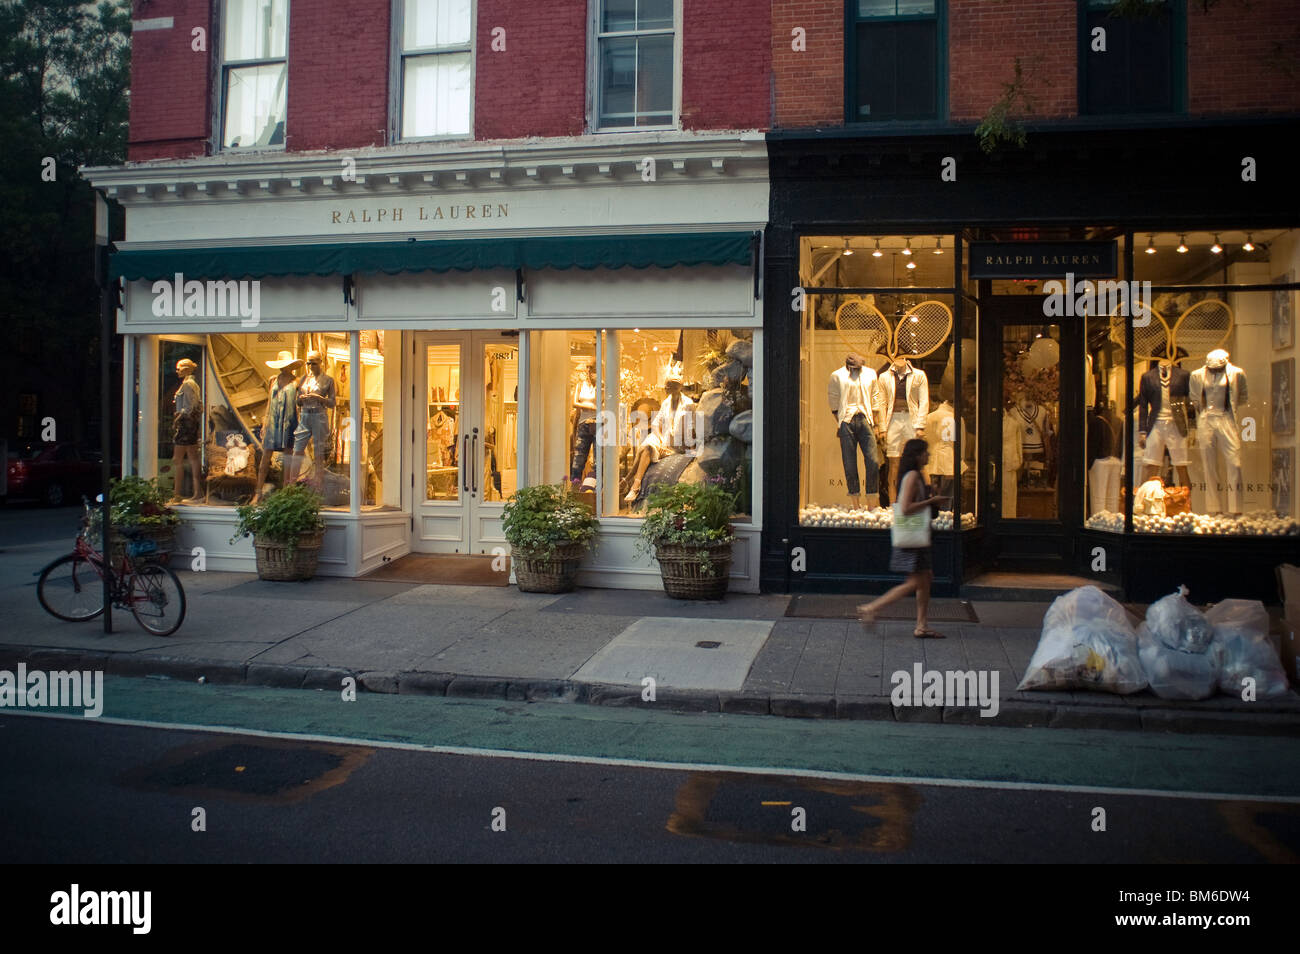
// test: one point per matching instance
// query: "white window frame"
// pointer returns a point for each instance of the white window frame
(594, 72)
(396, 73)
(219, 100)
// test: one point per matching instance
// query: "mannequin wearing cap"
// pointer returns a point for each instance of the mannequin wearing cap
(852, 396)
(315, 398)
(186, 424)
(667, 430)
(1218, 391)
(903, 394)
(584, 421)
(280, 420)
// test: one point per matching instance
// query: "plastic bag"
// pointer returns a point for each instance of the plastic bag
(1087, 643)
(1241, 631)
(1174, 674)
(1178, 624)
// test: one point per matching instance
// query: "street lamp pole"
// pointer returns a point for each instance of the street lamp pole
(105, 391)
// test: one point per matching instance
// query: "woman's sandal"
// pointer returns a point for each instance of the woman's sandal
(928, 634)
(866, 615)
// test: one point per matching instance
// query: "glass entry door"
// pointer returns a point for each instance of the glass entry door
(466, 439)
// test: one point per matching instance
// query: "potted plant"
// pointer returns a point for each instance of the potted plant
(549, 529)
(287, 530)
(689, 527)
(140, 505)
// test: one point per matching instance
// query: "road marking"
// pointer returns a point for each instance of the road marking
(776, 803)
(676, 766)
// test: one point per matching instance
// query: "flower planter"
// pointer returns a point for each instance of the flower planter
(537, 571)
(152, 545)
(694, 572)
(277, 561)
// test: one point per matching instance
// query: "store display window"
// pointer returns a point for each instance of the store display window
(1211, 423)
(878, 360)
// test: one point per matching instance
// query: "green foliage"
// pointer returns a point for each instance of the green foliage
(538, 519)
(283, 516)
(136, 502)
(688, 515)
(999, 127)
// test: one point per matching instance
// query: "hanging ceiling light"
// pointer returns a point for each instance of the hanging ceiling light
(907, 249)
(1151, 244)
(911, 264)
(847, 250)
(938, 245)
(877, 253)
(1182, 244)
(1249, 246)
(1216, 248)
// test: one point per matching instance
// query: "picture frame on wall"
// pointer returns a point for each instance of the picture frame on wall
(1283, 314)
(1282, 396)
(1281, 478)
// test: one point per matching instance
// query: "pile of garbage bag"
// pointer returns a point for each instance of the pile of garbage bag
(1087, 643)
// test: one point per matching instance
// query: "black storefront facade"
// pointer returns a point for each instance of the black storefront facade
(877, 241)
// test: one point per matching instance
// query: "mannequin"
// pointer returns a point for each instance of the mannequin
(1162, 419)
(667, 431)
(281, 420)
(186, 424)
(852, 395)
(903, 395)
(1218, 391)
(442, 438)
(1012, 441)
(316, 397)
(1104, 468)
(1036, 432)
(941, 433)
(584, 418)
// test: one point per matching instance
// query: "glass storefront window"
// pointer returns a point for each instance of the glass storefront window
(1212, 420)
(1031, 433)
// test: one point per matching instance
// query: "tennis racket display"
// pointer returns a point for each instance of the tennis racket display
(862, 327)
(1202, 328)
(1150, 339)
(922, 330)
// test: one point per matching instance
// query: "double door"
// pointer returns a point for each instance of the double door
(465, 440)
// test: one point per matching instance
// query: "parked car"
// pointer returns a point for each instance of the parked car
(56, 473)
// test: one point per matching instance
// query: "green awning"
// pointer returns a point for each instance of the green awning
(442, 255)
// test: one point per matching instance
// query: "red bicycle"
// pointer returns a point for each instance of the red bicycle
(72, 587)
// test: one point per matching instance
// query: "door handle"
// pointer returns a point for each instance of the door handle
(474, 459)
(464, 464)
(993, 474)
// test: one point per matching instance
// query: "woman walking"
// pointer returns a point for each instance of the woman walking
(913, 495)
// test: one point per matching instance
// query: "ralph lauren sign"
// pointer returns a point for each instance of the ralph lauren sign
(1043, 259)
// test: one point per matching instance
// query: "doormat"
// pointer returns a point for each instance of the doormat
(837, 606)
(463, 569)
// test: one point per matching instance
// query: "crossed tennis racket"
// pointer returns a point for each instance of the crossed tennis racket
(1198, 331)
(919, 332)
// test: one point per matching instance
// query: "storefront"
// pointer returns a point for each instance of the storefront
(475, 327)
(1022, 313)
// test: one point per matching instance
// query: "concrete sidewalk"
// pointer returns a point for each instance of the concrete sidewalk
(591, 646)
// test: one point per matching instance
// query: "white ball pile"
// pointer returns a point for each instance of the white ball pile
(881, 518)
(1258, 523)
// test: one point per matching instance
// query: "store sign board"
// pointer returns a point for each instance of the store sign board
(1044, 259)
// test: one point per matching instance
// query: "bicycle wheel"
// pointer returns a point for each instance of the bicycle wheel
(157, 599)
(71, 589)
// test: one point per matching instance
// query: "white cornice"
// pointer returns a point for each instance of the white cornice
(445, 168)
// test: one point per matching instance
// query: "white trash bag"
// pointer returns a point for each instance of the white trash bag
(1178, 624)
(1087, 643)
(1241, 630)
(1174, 674)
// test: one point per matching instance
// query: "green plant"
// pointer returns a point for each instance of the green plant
(692, 515)
(998, 127)
(136, 502)
(282, 517)
(538, 519)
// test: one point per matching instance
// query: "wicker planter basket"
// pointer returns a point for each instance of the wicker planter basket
(276, 562)
(153, 545)
(538, 572)
(685, 579)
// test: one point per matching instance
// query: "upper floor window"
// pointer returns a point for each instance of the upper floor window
(1127, 63)
(636, 63)
(436, 68)
(254, 73)
(893, 59)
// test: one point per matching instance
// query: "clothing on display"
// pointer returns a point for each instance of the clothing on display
(903, 404)
(1218, 391)
(281, 416)
(668, 429)
(1163, 394)
(1089, 383)
(1012, 459)
(314, 415)
(1103, 485)
(584, 432)
(940, 434)
(851, 393)
(188, 417)
(442, 438)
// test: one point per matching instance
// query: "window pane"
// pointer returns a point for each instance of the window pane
(877, 69)
(617, 82)
(617, 15)
(654, 80)
(655, 15)
(432, 23)
(181, 418)
(442, 464)
(436, 95)
(915, 7)
(916, 70)
(620, 15)
(1031, 395)
(500, 420)
(1135, 72)
(255, 106)
(255, 29)
(381, 450)
(876, 8)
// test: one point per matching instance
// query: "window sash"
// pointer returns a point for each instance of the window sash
(611, 107)
(450, 115)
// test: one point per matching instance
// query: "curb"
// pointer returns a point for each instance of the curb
(1158, 717)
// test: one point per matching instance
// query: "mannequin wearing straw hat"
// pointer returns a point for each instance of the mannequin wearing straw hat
(281, 420)
(667, 430)
(186, 423)
(315, 398)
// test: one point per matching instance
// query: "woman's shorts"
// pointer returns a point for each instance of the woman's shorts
(185, 429)
(910, 560)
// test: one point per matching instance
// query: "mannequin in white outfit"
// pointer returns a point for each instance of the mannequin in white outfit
(1218, 391)
(904, 396)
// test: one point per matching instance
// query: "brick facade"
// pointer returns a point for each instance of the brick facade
(169, 82)
(726, 62)
(1241, 58)
(808, 85)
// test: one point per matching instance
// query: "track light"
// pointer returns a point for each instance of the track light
(1249, 246)
(938, 246)
(911, 264)
(907, 249)
(877, 253)
(1182, 245)
(1151, 244)
(1216, 248)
